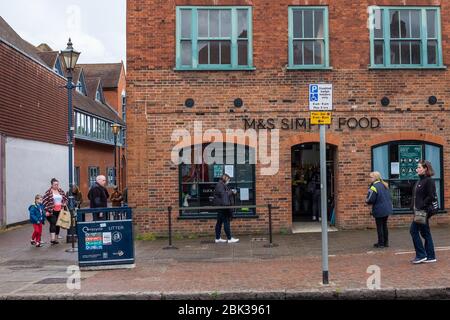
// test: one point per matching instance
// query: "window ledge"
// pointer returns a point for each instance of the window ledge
(215, 69)
(408, 68)
(298, 68)
(214, 216)
(400, 212)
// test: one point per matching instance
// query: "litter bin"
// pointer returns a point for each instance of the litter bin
(105, 244)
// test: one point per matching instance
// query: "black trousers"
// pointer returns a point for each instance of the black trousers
(382, 230)
(52, 220)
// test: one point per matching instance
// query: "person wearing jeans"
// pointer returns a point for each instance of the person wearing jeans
(380, 199)
(423, 253)
(423, 195)
(223, 217)
(222, 197)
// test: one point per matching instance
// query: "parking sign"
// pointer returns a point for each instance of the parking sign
(320, 97)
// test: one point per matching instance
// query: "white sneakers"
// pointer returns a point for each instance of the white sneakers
(232, 240)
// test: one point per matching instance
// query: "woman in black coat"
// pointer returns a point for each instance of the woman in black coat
(423, 196)
(223, 197)
(380, 199)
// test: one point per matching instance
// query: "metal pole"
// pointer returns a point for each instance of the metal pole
(115, 159)
(70, 145)
(270, 245)
(120, 173)
(323, 198)
(169, 210)
(170, 226)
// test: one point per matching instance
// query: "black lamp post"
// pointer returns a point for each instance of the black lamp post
(70, 58)
(116, 130)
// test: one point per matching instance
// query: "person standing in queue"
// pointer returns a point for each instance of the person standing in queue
(380, 199)
(223, 197)
(98, 197)
(423, 196)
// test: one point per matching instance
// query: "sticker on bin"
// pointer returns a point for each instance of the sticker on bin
(107, 238)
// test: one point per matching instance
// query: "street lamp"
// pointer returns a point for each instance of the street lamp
(116, 130)
(70, 58)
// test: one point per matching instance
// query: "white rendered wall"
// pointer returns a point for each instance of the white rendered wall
(30, 165)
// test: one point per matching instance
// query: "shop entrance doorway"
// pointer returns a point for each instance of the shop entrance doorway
(305, 180)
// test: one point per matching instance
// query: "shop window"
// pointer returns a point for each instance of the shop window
(111, 177)
(214, 38)
(397, 163)
(405, 37)
(77, 176)
(93, 173)
(198, 181)
(308, 38)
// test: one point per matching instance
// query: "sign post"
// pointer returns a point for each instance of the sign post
(321, 99)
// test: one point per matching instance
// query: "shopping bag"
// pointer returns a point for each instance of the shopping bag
(64, 220)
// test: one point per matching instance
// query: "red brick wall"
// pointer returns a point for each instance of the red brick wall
(33, 103)
(156, 96)
(113, 96)
(90, 154)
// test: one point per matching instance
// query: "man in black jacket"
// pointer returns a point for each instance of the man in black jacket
(222, 197)
(98, 197)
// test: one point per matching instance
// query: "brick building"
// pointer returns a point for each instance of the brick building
(94, 115)
(33, 124)
(113, 85)
(235, 64)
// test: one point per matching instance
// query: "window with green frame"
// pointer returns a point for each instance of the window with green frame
(214, 38)
(405, 37)
(397, 160)
(308, 38)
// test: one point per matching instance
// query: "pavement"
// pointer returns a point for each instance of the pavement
(201, 269)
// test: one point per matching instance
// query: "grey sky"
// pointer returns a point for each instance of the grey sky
(97, 27)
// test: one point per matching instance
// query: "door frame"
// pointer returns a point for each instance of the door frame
(334, 149)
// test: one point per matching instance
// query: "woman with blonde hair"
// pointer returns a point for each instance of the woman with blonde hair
(380, 199)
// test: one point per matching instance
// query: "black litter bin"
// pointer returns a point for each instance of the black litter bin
(108, 243)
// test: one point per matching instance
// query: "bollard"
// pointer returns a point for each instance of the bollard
(271, 244)
(169, 210)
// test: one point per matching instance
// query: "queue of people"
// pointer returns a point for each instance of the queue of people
(424, 205)
(49, 206)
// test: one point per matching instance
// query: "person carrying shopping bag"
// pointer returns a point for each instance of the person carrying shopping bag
(54, 201)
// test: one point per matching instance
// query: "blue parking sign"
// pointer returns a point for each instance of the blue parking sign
(313, 88)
